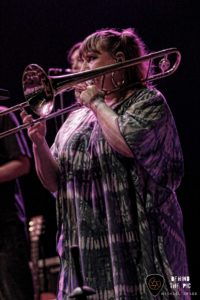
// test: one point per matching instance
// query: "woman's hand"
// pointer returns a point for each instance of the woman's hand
(78, 89)
(36, 132)
(91, 96)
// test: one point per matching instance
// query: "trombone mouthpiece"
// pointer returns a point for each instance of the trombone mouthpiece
(59, 71)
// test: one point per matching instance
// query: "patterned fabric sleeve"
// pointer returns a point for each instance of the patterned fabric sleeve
(149, 129)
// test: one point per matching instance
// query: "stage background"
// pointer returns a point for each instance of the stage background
(41, 31)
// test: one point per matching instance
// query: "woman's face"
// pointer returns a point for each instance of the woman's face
(97, 59)
(76, 61)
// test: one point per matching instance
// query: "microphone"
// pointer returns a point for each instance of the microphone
(4, 94)
(58, 71)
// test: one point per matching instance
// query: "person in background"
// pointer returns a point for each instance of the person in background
(73, 58)
(114, 168)
(66, 98)
(15, 275)
(75, 62)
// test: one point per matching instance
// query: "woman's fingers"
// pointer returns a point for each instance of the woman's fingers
(25, 117)
(89, 95)
(36, 131)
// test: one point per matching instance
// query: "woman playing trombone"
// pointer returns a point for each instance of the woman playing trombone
(114, 168)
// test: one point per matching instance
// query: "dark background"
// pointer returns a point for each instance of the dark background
(41, 31)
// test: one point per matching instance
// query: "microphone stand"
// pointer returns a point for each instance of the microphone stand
(81, 291)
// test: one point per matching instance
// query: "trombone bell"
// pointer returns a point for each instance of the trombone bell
(38, 90)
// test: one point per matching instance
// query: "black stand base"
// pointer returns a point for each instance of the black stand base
(82, 292)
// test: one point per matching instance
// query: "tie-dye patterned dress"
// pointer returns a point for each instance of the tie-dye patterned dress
(121, 212)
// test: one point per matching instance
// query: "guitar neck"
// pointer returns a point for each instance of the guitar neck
(35, 230)
(35, 269)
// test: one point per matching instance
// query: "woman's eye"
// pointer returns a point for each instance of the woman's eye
(91, 58)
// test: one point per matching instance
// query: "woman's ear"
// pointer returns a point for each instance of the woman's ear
(119, 56)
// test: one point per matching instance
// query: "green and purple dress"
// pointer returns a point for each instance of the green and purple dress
(122, 212)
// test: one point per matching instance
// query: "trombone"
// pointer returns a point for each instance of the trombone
(40, 90)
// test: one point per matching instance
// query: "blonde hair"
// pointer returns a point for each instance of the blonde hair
(126, 41)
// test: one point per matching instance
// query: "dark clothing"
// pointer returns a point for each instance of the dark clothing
(11, 148)
(15, 275)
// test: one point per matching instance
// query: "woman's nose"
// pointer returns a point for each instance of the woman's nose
(84, 66)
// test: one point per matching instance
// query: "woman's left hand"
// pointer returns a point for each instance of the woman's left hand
(90, 95)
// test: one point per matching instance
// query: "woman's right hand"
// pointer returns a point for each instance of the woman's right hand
(36, 132)
(78, 89)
